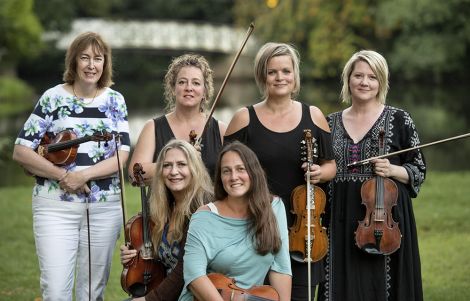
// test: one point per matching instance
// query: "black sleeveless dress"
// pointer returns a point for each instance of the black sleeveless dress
(279, 154)
(211, 142)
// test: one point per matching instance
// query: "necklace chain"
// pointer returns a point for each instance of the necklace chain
(83, 98)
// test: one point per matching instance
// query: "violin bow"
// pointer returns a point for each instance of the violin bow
(309, 144)
(366, 161)
(121, 178)
(192, 134)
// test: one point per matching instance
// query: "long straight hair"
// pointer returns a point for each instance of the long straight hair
(262, 222)
(162, 203)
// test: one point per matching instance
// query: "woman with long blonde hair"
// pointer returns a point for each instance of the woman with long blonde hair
(181, 185)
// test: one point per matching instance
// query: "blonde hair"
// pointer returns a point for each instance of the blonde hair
(188, 60)
(379, 66)
(162, 204)
(268, 51)
(99, 46)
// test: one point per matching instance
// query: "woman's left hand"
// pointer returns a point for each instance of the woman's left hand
(315, 173)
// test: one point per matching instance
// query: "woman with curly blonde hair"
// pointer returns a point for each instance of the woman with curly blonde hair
(188, 91)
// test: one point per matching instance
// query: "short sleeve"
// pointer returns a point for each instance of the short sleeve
(40, 121)
(120, 119)
(281, 263)
(195, 255)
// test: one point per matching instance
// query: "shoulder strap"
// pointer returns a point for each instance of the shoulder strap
(213, 208)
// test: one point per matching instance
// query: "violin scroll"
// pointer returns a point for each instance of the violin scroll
(138, 172)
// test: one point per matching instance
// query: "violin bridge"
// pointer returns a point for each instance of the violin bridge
(41, 150)
(146, 253)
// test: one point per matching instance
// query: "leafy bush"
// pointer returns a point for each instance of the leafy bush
(16, 96)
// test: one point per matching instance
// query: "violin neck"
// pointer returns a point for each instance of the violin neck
(147, 243)
(379, 198)
(379, 191)
(310, 193)
(67, 144)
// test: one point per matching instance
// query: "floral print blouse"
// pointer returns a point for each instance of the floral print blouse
(58, 110)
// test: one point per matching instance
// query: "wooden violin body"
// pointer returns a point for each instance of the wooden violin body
(231, 292)
(307, 237)
(298, 240)
(378, 233)
(62, 149)
(142, 273)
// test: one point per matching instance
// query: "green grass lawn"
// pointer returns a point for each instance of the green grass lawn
(442, 213)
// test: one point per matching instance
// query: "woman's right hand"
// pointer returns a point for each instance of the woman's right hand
(126, 254)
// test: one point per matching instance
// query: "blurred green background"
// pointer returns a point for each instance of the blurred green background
(426, 43)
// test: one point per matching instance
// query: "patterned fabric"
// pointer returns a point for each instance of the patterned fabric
(168, 254)
(58, 110)
(353, 274)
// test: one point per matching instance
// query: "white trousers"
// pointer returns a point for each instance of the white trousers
(61, 235)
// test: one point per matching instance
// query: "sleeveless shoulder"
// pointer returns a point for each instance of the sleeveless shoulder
(163, 134)
(242, 134)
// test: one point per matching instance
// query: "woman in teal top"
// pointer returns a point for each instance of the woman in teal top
(243, 235)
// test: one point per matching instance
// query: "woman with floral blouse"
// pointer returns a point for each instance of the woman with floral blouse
(86, 106)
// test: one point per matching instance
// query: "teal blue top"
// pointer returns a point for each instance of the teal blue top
(223, 245)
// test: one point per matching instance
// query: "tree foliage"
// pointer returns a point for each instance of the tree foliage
(218, 11)
(326, 32)
(421, 39)
(20, 30)
(15, 95)
(430, 38)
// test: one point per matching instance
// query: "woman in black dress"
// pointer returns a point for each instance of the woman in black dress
(188, 92)
(273, 129)
(353, 274)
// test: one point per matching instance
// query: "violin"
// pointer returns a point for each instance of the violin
(307, 237)
(231, 292)
(378, 233)
(62, 149)
(141, 274)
